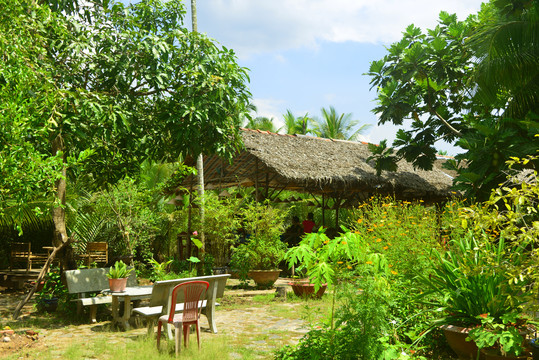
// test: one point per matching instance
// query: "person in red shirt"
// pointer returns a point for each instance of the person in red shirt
(309, 224)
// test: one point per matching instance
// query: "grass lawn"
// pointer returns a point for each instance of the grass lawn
(249, 328)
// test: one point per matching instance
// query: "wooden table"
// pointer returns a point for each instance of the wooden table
(130, 294)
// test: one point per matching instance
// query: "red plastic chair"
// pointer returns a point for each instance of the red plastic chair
(193, 294)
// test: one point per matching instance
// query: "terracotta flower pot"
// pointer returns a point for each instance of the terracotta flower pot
(264, 278)
(456, 338)
(117, 285)
(306, 289)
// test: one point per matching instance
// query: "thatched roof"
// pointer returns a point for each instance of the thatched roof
(315, 165)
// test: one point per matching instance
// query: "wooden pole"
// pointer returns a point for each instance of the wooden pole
(323, 206)
(256, 180)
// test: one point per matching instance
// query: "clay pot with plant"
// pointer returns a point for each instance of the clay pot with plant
(467, 281)
(258, 257)
(502, 338)
(118, 276)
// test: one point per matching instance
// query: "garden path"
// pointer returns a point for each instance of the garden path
(258, 327)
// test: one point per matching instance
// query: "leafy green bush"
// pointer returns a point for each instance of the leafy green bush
(54, 288)
(264, 249)
(403, 231)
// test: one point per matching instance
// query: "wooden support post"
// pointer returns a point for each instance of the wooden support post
(337, 208)
(256, 180)
(323, 213)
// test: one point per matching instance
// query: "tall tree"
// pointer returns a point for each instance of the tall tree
(444, 81)
(297, 125)
(339, 126)
(100, 92)
(261, 123)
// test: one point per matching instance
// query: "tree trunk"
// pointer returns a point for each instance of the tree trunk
(200, 170)
(58, 211)
(60, 239)
(200, 165)
(194, 15)
(40, 278)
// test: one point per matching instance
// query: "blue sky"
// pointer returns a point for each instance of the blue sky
(308, 54)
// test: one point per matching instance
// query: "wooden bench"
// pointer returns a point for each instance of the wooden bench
(162, 291)
(85, 281)
(22, 252)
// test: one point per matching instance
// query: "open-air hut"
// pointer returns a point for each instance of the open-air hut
(335, 169)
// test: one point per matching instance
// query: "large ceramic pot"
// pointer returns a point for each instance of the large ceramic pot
(456, 338)
(490, 354)
(117, 285)
(305, 289)
(264, 278)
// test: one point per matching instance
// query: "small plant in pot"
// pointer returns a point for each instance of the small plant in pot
(118, 276)
(259, 256)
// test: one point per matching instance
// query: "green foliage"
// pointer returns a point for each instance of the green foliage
(119, 270)
(511, 215)
(132, 216)
(176, 178)
(356, 327)
(298, 125)
(402, 231)
(264, 249)
(52, 287)
(503, 333)
(221, 223)
(159, 270)
(257, 254)
(262, 123)
(335, 126)
(128, 85)
(383, 157)
(326, 260)
(468, 280)
(472, 83)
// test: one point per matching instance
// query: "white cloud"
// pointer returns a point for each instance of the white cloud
(254, 26)
(270, 108)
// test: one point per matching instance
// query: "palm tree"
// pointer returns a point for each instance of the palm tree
(262, 123)
(335, 126)
(296, 125)
(507, 47)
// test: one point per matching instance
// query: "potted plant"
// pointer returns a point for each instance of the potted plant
(259, 259)
(304, 287)
(48, 297)
(501, 338)
(118, 276)
(259, 255)
(301, 284)
(469, 280)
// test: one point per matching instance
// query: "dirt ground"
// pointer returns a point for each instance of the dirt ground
(45, 334)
